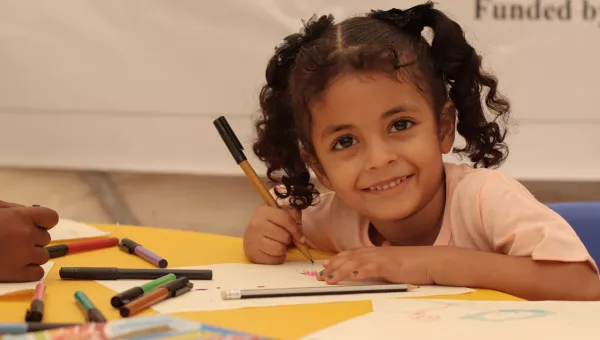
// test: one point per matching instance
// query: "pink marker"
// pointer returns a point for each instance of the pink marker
(132, 247)
(36, 312)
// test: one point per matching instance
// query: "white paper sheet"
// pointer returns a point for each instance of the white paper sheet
(253, 276)
(70, 230)
(469, 320)
(6, 288)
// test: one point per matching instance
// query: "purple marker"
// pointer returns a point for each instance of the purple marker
(132, 247)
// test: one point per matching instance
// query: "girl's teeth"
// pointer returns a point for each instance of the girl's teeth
(390, 185)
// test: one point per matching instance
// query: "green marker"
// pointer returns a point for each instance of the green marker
(131, 294)
(92, 314)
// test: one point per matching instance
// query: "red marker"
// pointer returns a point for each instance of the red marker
(78, 247)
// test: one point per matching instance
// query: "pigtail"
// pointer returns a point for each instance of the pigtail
(278, 143)
(460, 68)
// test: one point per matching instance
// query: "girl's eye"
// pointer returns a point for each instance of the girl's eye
(344, 142)
(400, 125)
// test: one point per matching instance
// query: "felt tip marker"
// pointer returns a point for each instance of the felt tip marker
(108, 273)
(167, 291)
(132, 247)
(26, 327)
(59, 250)
(135, 292)
(237, 151)
(36, 310)
(92, 314)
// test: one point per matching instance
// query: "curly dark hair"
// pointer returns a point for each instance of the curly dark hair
(382, 41)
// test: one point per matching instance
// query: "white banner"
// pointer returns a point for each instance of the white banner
(135, 84)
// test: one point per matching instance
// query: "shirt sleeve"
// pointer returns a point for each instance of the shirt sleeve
(517, 224)
(331, 226)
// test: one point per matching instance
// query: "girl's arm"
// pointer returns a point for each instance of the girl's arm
(519, 276)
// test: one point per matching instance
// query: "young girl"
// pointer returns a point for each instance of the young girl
(370, 106)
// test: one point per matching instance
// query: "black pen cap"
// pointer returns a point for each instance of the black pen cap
(129, 245)
(57, 250)
(127, 296)
(183, 290)
(36, 312)
(94, 315)
(230, 139)
(175, 285)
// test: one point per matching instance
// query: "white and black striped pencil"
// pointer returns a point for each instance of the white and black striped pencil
(234, 294)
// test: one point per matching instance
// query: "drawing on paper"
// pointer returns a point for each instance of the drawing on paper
(506, 315)
(435, 313)
(308, 272)
(427, 314)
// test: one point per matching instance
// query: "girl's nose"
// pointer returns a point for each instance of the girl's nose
(380, 154)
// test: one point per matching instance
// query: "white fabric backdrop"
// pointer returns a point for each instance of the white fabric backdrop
(135, 84)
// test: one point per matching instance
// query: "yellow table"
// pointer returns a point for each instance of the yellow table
(283, 322)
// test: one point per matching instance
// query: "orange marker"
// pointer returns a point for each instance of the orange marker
(167, 291)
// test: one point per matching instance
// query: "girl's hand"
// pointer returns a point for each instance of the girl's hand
(411, 265)
(270, 232)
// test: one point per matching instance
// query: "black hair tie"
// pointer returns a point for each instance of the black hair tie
(412, 20)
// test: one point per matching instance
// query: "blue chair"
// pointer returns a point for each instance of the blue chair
(584, 217)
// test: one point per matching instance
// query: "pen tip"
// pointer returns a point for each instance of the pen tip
(311, 261)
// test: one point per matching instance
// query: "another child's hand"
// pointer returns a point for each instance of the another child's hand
(23, 236)
(409, 265)
(269, 234)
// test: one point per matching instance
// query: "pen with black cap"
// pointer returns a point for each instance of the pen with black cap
(236, 149)
(35, 313)
(92, 314)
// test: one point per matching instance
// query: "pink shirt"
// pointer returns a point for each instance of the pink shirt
(485, 210)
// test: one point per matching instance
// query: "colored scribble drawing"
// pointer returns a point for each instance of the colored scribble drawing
(308, 272)
(507, 315)
(428, 314)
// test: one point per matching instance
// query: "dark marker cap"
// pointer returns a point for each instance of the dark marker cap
(128, 245)
(183, 290)
(175, 285)
(57, 250)
(230, 139)
(94, 315)
(126, 296)
(36, 313)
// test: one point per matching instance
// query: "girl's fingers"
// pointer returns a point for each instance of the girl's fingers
(366, 271)
(273, 248)
(344, 271)
(352, 270)
(285, 220)
(333, 264)
(278, 234)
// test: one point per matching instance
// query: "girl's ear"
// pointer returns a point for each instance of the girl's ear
(314, 165)
(447, 127)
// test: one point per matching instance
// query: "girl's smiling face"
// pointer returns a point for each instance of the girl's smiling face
(379, 144)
